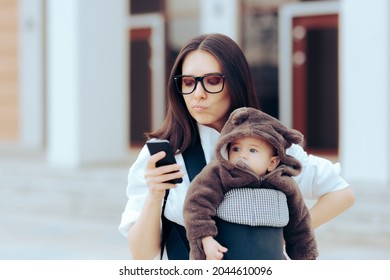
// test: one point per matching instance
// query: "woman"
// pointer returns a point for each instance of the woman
(209, 80)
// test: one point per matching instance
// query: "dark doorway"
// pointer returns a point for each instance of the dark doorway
(315, 82)
(140, 86)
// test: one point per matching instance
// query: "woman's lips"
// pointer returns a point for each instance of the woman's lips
(198, 108)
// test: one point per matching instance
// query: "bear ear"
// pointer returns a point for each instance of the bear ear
(293, 136)
(239, 116)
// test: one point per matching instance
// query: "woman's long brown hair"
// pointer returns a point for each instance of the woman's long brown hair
(178, 126)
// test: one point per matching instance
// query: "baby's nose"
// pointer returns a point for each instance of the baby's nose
(243, 155)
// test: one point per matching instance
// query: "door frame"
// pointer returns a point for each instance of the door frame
(156, 23)
(286, 14)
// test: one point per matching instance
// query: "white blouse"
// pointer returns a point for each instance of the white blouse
(318, 177)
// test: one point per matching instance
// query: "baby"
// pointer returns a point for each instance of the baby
(251, 167)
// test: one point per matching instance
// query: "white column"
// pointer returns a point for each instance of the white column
(86, 82)
(31, 75)
(221, 16)
(365, 90)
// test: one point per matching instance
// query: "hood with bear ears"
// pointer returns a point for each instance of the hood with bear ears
(244, 122)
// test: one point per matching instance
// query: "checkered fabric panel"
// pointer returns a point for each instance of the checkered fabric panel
(254, 207)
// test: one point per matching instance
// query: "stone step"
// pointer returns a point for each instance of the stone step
(365, 227)
(86, 192)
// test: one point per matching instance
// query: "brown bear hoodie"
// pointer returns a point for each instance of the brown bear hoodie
(208, 188)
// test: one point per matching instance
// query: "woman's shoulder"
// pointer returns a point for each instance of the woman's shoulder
(138, 165)
(319, 175)
(297, 152)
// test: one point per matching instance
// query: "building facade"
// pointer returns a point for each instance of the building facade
(82, 80)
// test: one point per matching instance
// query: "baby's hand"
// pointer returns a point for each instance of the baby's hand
(212, 249)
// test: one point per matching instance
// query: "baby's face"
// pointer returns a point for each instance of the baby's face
(255, 152)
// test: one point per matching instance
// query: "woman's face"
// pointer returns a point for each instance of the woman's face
(210, 109)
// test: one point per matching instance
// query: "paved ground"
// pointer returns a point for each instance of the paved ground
(53, 213)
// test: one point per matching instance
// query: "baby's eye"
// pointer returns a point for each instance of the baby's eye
(235, 149)
(253, 150)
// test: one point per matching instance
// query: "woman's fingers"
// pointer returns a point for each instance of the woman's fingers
(156, 177)
(154, 159)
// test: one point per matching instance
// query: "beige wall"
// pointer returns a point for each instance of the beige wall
(9, 103)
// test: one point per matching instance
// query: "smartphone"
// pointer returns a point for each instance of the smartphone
(156, 146)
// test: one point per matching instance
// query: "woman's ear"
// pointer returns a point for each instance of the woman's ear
(274, 163)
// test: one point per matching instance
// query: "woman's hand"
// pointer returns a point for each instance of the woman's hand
(156, 176)
(144, 236)
(212, 249)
